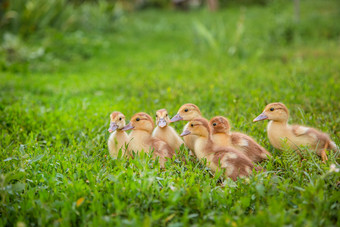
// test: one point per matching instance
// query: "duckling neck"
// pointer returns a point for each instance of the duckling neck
(278, 123)
(276, 130)
(209, 140)
(120, 135)
(222, 138)
(224, 134)
(202, 146)
(140, 134)
(120, 132)
(164, 128)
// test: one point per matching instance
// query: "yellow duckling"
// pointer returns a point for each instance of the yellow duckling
(222, 136)
(142, 126)
(165, 132)
(118, 138)
(279, 131)
(235, 163)
(188, 112)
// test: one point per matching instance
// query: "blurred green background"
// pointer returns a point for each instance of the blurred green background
(37, 35)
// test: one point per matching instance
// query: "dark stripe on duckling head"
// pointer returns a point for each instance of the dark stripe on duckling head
(277, 106)
(114, 114)
(222, 124)
(191, 106)
(162, 111)
(143, 116)
(202, 121)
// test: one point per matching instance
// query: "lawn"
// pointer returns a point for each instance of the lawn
(55, 167)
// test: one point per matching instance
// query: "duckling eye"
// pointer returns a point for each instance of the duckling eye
(156, 116)
(186, 110)
(214, 124)
(192, 125)
(166, 115)
(138, 119)
(272, 109)
(120, 118)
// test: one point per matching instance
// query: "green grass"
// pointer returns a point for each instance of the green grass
(54, 115)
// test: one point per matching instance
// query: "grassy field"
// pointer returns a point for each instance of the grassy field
(54, 114)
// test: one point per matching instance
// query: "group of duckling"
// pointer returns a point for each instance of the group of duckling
(212, 140)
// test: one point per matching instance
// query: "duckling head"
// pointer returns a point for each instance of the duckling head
(274, 111)
(140, 121)
(117, 121)
(162, 118)
(219, 124)
(199, 127)
(187, 112)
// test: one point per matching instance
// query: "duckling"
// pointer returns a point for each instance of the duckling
(279, 130)
(188, 112)
(165, 132)
(235, 163)
(141, 137)
(222, 136)
(118, 139)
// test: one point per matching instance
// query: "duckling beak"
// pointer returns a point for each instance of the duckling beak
(261, 117)
(162, 123)
(177, 117)
(128, 127)
(185, 133)
(113, 127)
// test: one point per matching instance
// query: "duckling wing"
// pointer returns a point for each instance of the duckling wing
(299, 130)
(235, 163)
(239, 139)
(250, 147)
(314, 136)
(161, 148)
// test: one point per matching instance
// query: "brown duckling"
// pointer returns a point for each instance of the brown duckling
(188, 112)
(165, 132)
(235, 163)
(281, 133)
(118, 138)
(222, 136)
(141, 138)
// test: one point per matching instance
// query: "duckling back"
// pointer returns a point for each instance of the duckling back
(161, 149)
(249, 147)
(235, 163)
